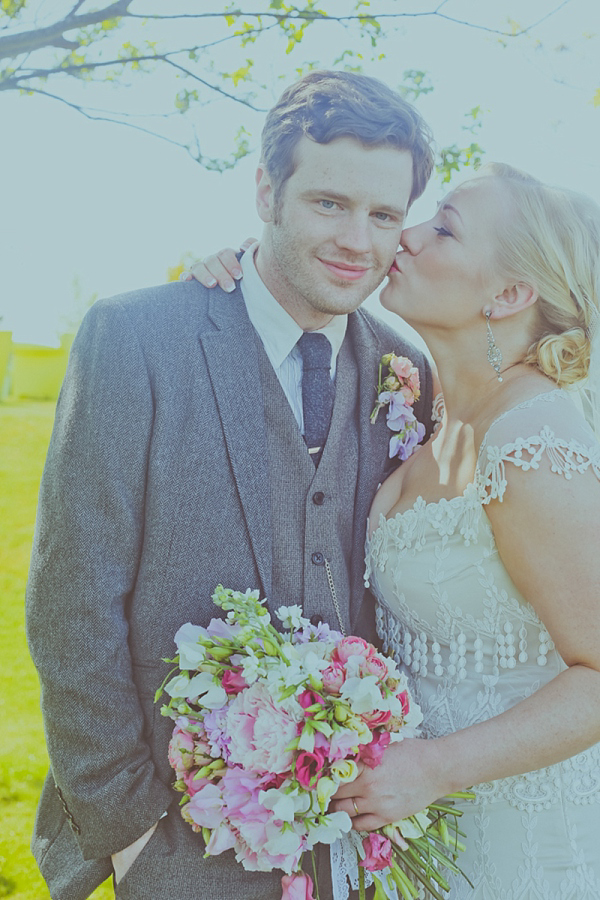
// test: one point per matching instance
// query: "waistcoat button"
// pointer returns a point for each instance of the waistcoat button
(317, 559)
(318, 498)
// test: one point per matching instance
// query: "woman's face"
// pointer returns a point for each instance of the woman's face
(445, 273)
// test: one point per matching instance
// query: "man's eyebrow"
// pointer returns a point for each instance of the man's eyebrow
(326, 194)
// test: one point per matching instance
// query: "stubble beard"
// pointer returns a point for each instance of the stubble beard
(304, 289)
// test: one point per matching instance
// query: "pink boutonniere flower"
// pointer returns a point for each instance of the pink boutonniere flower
(398, 388)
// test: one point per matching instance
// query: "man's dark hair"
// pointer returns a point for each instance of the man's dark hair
(326, 105)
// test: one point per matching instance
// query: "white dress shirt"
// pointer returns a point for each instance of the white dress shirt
(280, 333)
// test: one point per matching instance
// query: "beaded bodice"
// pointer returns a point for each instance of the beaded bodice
(449, 611)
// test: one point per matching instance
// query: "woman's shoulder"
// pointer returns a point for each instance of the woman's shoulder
(546, 433)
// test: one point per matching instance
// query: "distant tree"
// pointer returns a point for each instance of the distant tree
(78, 51)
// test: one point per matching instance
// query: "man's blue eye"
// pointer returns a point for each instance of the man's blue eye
(327, 204)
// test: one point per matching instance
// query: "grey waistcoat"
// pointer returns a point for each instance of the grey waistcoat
(312, 509)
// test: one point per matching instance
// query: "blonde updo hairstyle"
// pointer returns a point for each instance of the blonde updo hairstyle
(551, 241)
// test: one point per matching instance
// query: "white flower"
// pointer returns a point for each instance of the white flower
(178, 686)
(207, 691)
(364, 695)
(252, 667)
(285, 805)
(191, 653)
(331, 828)
(282, 842)
(410, 829)
(291, 617)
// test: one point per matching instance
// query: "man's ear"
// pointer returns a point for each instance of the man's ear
(512, 300)
(264, 195)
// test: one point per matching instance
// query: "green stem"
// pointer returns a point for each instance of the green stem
(361, 883)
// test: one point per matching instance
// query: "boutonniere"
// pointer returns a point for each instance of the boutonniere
(398, 388)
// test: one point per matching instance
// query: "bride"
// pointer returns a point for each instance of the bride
(483, 547)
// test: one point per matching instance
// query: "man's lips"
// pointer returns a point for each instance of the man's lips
(345, 271)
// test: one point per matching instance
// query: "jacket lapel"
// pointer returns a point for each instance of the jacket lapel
(373, 440)
(232, 360)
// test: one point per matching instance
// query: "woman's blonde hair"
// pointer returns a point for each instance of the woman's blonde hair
(551, 241)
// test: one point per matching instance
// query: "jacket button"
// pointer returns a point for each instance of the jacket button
(318, 498)
(316, 620)
(318, 559)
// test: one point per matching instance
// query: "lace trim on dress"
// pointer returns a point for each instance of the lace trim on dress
(565, 457)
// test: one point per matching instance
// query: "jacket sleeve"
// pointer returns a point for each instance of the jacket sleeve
(86, 552)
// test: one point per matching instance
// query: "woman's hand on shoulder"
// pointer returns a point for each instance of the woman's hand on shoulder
(221, 268)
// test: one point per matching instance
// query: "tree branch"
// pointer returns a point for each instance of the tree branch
(298, 15)
(53, 35)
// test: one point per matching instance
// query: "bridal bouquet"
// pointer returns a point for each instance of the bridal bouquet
(269, 724)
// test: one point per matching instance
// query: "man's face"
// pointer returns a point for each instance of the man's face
(333, 235)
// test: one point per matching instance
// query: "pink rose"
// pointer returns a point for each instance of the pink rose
(298, 886)
(372, 754)
(181, 751)
(333, 678)
(309, 698)
(378, 851)
(351, 646)
(408, 395)
(308, 768)
(401, 366)
(414, 382)
(377, 666)
(233, 681)
(192, 783)
(376, 718)
(405, 701)
(260, 731)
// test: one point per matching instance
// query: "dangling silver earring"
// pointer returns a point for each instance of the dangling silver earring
(494, 353)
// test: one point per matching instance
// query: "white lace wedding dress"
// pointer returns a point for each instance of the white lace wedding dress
(449, 611)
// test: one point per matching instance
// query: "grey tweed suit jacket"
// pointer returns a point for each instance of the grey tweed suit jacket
(155, 490)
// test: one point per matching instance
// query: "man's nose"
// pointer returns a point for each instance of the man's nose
(356, 234)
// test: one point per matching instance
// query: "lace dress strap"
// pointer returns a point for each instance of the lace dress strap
(577, 454)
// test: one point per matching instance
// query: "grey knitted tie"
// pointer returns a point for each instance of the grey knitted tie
(317, 391)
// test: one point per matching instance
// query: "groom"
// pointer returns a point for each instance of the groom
(193, 445)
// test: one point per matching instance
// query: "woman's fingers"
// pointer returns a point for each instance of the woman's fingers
(222, 268)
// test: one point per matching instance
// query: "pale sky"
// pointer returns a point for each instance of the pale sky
(114, 208)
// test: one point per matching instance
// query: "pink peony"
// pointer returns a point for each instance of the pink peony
(378, 850)
(260, 731)
(351, 646)
(298, 886)
(333, 678)
(233, 681)
(308, 768)
(206, 806)
(372, 754)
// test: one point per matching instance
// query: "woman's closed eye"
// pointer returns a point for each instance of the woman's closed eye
(443, 232)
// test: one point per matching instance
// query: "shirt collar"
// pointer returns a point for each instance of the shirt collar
(278, 331)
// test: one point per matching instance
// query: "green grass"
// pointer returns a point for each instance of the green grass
(24, 433)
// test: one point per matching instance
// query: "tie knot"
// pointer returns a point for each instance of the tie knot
(315, 351)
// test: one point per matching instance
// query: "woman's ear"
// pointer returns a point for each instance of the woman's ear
(264, 195)
(512, 300)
